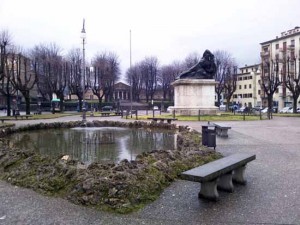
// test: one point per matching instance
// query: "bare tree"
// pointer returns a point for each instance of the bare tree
(292, 81)
(51, 69)
(106, 71)
(270, 81)
(191, 60)
(24, 78)
(168, 75)
(134, 78)
(149, 71)
(230, 83)
(7, 68)
(223, 60)
(74, 79)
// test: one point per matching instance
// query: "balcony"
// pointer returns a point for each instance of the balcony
(291, 47)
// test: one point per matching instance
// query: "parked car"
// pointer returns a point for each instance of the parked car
(155, 107)
(290, 110)
(265, 110)
(285, 109)
(169, 109)
(298, 110)
(240, 110)
(107, 108)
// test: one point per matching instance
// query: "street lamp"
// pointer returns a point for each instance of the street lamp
(83, 36)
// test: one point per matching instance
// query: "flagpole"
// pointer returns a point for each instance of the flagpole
(130, 75)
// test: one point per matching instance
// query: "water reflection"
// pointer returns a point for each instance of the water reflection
(100, 144)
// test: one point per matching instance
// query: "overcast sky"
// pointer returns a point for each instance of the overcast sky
(167, 29)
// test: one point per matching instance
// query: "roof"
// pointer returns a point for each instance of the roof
(281, 38)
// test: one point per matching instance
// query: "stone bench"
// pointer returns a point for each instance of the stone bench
(222, 131)
(22, 116)
(219, 174)
(155, 119)
(105, 113)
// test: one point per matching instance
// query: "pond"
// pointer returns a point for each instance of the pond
(95, 144)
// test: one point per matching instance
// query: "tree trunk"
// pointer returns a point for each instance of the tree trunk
(80, 103)
(270, 106)
(8, 105)
(227, 103)
(27, 104)
(61, 106)
(219, 99)
(295, 98)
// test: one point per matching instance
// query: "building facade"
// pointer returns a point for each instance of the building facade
(248, 89)
(284, 49)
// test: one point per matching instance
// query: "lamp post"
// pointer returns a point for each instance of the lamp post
(83, 36)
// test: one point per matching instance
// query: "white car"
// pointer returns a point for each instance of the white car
(265, 110)
(155, 107)
(169, 109)
(290, 110)
(285, 109)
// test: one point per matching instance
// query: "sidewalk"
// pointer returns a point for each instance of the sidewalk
(270, 197)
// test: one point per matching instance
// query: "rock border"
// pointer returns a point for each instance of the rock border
(122, 187)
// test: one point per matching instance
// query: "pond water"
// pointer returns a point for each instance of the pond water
(95, 144)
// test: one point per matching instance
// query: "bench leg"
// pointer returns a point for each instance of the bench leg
(209, 190)
(223, 133)
(225, 182)
(239, 175)
(217, 131)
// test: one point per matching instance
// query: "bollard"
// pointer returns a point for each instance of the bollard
(199, 115)
(173, 112)
(153, 113)
(244, 118)
(136, 114)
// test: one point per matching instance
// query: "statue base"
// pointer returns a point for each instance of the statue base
(194, 97)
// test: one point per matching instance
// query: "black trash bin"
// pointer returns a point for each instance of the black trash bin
(209, 136)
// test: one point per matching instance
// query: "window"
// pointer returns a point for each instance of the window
(245, 78)
(259, 92)
(240, 86)
(277, 90)
(277, 46)
(250, 95)
(235, 96)
(250, 77)
(292, 43)
(246, 70)
(244, 95)
(245, 86)
(250, 86)
(240, 78)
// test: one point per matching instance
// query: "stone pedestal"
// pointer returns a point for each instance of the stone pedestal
(192, 95)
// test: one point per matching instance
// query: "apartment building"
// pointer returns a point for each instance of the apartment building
(286, 50)
(248, 89)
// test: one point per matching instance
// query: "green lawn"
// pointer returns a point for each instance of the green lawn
(226, 116)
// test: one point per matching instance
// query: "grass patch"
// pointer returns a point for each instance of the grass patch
(219, 117)
(42, 116)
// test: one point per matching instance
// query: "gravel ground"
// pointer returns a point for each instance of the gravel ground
(271, 195)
